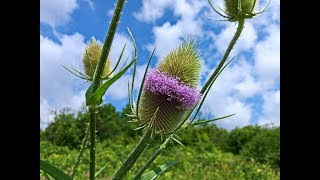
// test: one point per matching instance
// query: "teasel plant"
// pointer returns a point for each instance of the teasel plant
(168, 101)
(97, 72)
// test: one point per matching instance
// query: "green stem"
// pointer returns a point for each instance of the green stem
(152, 158)
(226, 54)
(82, 149)
(97, 79)
(126, 166)
(92, 123)
(107, 44)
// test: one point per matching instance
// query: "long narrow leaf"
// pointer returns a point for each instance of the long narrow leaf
(97, 95)
(79, 76)
(54, 172)
(119, 59)
(98, 172)
(215, 119)
(155, 173)
(135, 64)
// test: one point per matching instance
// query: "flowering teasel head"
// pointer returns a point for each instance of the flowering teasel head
(170, 90)
(237, 10)
(91, 59)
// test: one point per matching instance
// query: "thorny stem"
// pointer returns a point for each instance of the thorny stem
(126, 166)
(83, 148)
(107, 44)
(92, 123)
(97, 80)
(152, 158)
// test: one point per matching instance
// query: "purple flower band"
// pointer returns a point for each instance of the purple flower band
(171, 87)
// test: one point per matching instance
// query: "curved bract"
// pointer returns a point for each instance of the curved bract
(184, 63)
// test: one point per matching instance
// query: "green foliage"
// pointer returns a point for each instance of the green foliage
(56, 173)
(210, 152)
(65, 130)
(264, 147)
(155, 173)
(210, 164)
(240, 136)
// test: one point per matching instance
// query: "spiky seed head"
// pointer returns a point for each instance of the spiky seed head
(91, 58)
(171, 88)
(232, 6)
(184, 63)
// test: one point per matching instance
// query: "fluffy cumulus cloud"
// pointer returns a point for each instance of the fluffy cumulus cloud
(57, 12)
(168, 35)
(245, 43)
(271, 109)
(267, 57)
(58, 88)
(152, 10)
(228, 93)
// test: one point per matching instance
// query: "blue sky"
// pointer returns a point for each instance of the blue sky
(249, 87)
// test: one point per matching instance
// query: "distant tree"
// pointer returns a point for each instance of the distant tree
(238, 137)
(64, 130)
(264, 147)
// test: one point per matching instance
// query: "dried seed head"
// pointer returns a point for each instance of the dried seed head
(171, 88)
(91, 58)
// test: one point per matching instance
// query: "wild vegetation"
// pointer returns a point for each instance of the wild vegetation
(209, 152)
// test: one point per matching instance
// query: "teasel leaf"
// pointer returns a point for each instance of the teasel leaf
(54, 172)
(97, 95)
(155, 173)
(207, 121)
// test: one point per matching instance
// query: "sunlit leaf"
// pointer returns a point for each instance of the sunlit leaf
(54, 172)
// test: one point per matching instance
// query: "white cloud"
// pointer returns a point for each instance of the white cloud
(152, 10)
(168, 36)
(59, 88)
(271, 109)
(57, 12)
(245, 42)
(226, 105)
(267, 57)
(228, 94)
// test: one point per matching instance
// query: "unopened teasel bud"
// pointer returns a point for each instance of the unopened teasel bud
(91, 58)
(246, 6)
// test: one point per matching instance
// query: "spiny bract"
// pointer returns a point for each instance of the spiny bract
(171, 88)
(91, 59)
(183, 62)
